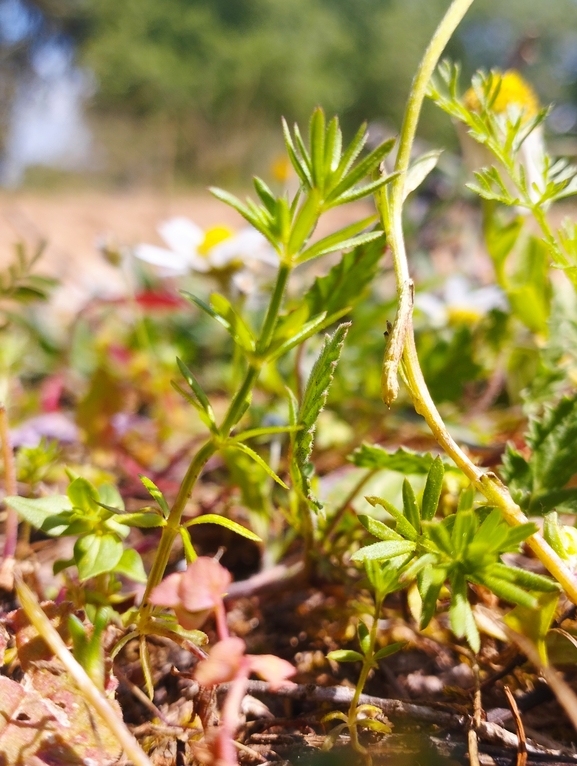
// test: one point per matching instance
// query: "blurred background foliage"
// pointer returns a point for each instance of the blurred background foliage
(187, 90)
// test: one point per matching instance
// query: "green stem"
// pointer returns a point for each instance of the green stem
(231, 418)
(368, 663)
(271, 317)
(488, 484)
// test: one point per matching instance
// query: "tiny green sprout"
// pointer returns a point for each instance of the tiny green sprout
(87, 648)
(464, 548)
(383, 579)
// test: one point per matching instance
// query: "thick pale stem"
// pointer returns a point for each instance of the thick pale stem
(391, 211)
(82, 680)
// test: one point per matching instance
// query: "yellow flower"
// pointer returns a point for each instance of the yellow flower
(514, 92)
(514, 98)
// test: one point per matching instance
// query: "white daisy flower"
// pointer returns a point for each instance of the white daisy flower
(190, 248)
(459, 303)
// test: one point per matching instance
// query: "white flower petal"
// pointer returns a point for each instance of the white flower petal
(248, 243)
(433, 307)
(487, 298)
(181, 235)
(532, 157)
(160, 256)
(457, 290)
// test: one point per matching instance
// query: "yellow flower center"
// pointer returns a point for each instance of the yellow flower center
(281, 169)
(514, 91)
(212, 237)
(458, 315)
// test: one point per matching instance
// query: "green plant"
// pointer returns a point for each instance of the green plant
(447, 543)
(383, 580)
(464, 548)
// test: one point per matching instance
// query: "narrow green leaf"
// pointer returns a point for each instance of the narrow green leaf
(317, 147)
(437, 532)
(386, 651)
(304, 222)
(410, 508)
(346, 282)
(552, 534)
(374, 725)
(189, 552)
(506, 590)
(314, 399)
(320, 322)
(333, 146)
(430, 581)
(461, 615)
(364, 637)
(416, 566)
(344, 655)
(363, 191)
(197, 406)
(363, 169)
(238, 329)
(156, 494)
(462, 533)
(265, 431)
(525, 578)
(384, 550)
(336, 241)
(257, 459)
(466, 499)
(404, 526)
(232, 201)
(301, 168)
(420, 169)
(378, 529)
(350, 155)
(403, 460)
(213, 518)
(197, 389)
(142, 520)
(306, 158)
(433, 489)
(265, 194)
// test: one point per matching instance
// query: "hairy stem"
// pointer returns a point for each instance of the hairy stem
(391, 211)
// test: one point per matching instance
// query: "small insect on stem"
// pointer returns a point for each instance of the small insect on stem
(396, 334)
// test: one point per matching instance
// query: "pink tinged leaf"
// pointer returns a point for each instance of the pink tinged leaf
(204, 584)
(273, 669)
(191, 620)
(223, 664)
(168, 592)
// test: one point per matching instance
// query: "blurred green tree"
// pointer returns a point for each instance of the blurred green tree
(201, 84)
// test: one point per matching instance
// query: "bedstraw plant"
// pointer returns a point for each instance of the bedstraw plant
(424, 547)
